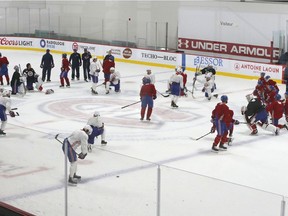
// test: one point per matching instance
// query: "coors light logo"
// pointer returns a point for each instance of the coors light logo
(127, 53)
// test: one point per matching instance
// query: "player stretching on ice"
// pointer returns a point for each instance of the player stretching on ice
(95, 68)
(113, 81)
(97, 129)
(5, 105)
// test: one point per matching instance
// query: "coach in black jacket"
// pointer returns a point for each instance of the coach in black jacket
(47, 63)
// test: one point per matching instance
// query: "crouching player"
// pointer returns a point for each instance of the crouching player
(97, 129)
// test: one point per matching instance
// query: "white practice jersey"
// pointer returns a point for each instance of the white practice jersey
(79, 138)
(94, 66)
(115, 77)
(177, 78)
(209, 84)
(6, 102)
(95, 121)
(151, 77)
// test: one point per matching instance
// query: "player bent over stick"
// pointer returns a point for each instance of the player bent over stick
(70, 144)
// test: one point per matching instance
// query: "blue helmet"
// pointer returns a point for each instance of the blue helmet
(259, 82)
(267, 78)
(278, 97)
(224, 98)
(146, 80)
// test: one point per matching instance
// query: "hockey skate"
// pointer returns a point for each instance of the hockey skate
(61, 86)
(93, 91)
(215, 149)
(72, 182)
(68, 86)
(89, 148)
(76, 177)
(173, 104)
(2, 132)
(254, 132)
(222, 147)
(285, 126)
(230, 139)
(107, 92)
(277, 131)
(103, 142)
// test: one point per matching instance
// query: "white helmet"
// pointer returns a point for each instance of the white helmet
(16, 68)
(6, 93)
(112, 69)
(96, 113)
(88, 129)
(249, 97)
(179, 69)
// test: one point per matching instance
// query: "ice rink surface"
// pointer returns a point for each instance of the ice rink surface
(121, 178)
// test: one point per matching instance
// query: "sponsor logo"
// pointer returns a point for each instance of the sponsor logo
(74, 46)
(228, 48)
(156, 56)
(204, 61)
(12, 42)
(115, 52)
(257, 68)
(51, 43)
(127, 53)
(89, 48)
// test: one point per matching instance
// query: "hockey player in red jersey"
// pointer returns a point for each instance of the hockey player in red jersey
(221, 118)
(107, 64)
(255, 114)
(276, 110)
(270, 82)
(4, 69)
(64, 71)
(147, 95)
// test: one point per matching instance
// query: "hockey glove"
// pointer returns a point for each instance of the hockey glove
(236, 122)
(154, 97)
(82, 156)
(12, 114)
(212, 129)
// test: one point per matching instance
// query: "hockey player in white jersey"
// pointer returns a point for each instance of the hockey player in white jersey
(150, 76)
(5, 106)
(208, 85)
(77, 139)
(114, 80)
(97, 125)
(95, 68)
(176, 85)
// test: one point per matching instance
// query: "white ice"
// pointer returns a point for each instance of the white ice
(121, 178)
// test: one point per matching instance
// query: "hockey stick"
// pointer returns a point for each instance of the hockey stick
(16, 114)
(163, 94)
(202, 136)
(130, 104)
(56, 137)
(195, 78)
(14, 108)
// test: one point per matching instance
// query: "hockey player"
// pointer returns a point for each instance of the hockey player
(30, 75)
(276, 110)
(180, 71)
(64, 71)
(176, 85)
(271, 84)
(147, 95)
(286, 107)
(97, 125)
(70, 144)
(150, 76)
(254, 114)
(5, 106)
(113, 81)
(208, 86)
(95, 68)
(221, 118)
(4, 69)
(108, 63)
(208, 70)
(15, 81)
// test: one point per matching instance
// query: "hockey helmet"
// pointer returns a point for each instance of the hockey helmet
(96, 114)
(49, 91)
(249, 97)
(224, 98)
(148, 70)
(243, 110)
(28, 65)
(87, 129)
(179, 69)
(16, 68)
(64, 55)
(6, 93)
(278, 97)
(112, 69)
(259, 82)
(267, 78)
(262, 74)
(146, 80)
